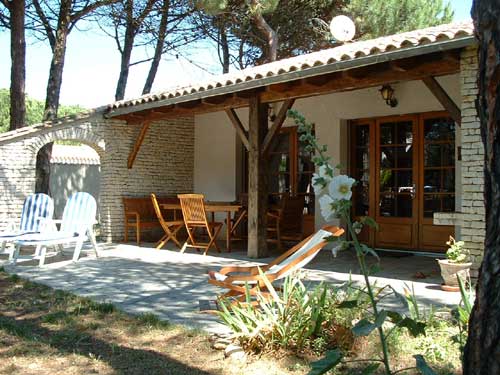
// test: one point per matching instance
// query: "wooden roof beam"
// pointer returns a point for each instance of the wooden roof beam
(277, 124)
(442, 96)
(238, 126)
(138, 144)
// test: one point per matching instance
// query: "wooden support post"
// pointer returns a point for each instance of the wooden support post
(257, 180)
(238, 126)
(443, 98)
(137, 144)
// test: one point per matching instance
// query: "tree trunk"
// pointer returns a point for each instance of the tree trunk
(18, 67)
(224, 46)
(53, 93)
(162, 34)
(125, 63)
(482, 351)
(43, 169)
(57, 64)
(269, 34)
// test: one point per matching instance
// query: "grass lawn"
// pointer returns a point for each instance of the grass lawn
(46, 331)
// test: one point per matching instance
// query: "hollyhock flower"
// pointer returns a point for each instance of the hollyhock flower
(326, 206)
(321, 179)
(340, 188)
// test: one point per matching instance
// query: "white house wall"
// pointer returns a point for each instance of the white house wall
(215, 169)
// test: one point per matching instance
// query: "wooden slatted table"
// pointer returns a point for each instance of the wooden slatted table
(213, 207)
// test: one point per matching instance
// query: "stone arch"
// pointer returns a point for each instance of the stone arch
(85, 133)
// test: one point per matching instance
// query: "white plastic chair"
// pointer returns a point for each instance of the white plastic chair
(36, 209)
(76, 226)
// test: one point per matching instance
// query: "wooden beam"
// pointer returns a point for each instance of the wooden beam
(277, 124)
(137, 144)
(238, 126)
(443, 98)
(257, 180)
(406, 70)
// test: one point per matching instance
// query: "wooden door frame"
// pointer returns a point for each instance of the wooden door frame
(421, 219)
(417, 170)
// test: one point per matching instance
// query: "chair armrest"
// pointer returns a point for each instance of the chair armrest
(253, 270)
(47, 223)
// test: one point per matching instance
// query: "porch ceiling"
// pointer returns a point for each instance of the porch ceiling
(408, 56)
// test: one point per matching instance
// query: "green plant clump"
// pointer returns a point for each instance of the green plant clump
(456, 252)
(295, 318)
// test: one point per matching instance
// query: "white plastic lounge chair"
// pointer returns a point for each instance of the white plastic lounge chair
(234, 278)
(36, 208)
(76, 226)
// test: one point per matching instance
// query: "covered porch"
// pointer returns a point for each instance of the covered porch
(239, 118)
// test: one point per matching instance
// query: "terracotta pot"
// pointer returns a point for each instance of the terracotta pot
(449, 271)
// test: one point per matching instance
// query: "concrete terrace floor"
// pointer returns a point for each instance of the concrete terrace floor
(174, 286)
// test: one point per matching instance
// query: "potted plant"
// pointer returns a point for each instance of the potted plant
(457, 263)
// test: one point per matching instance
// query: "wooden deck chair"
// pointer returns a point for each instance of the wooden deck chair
(170, 227)
(193, 211)
(36, 208)
(78, 218)
(238, 278)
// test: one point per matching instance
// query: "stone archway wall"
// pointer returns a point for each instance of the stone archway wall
(164, 165)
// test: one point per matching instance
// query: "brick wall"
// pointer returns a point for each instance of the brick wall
(164, 164)
(473, 222)
(470, 215)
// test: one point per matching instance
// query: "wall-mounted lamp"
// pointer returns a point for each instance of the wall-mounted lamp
(387, 93)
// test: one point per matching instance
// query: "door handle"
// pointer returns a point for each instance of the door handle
(413, 193)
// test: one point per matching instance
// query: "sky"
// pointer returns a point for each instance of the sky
(92, 66)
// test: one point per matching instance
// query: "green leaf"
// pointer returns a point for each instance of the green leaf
(414, 327)
(382, 316)
(422, 366)
(331, 359)
(363, 328)
(370, 369)
(348, 304)
(367, 220)
(369, 250)
(394, 316)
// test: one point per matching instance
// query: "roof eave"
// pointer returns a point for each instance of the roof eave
(306, 73)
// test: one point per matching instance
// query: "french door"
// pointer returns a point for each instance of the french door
(405, 166)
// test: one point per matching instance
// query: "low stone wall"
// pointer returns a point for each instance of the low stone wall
(164, 164)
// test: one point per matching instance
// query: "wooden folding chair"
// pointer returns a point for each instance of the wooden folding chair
(240, 280)
(285, 223)
(170, 227)
(193, 211)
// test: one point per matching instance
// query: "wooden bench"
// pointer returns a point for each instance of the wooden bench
(140, 214)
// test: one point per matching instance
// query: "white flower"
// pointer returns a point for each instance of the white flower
(336, 249)
(340, 187)
(321, 179)
(327, 210)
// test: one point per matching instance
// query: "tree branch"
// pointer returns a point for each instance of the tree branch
(49, 31)
(5, 3)
(75, 17)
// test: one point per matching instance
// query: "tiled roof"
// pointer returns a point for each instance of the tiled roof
(68, 154)
(347, 52)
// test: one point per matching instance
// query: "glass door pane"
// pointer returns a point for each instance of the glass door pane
(361, 169)
(439, 166)
(280, 167)
(396, 186)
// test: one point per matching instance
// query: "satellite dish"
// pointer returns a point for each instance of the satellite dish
(342, 28)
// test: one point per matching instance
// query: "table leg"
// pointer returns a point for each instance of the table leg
(228, 232)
